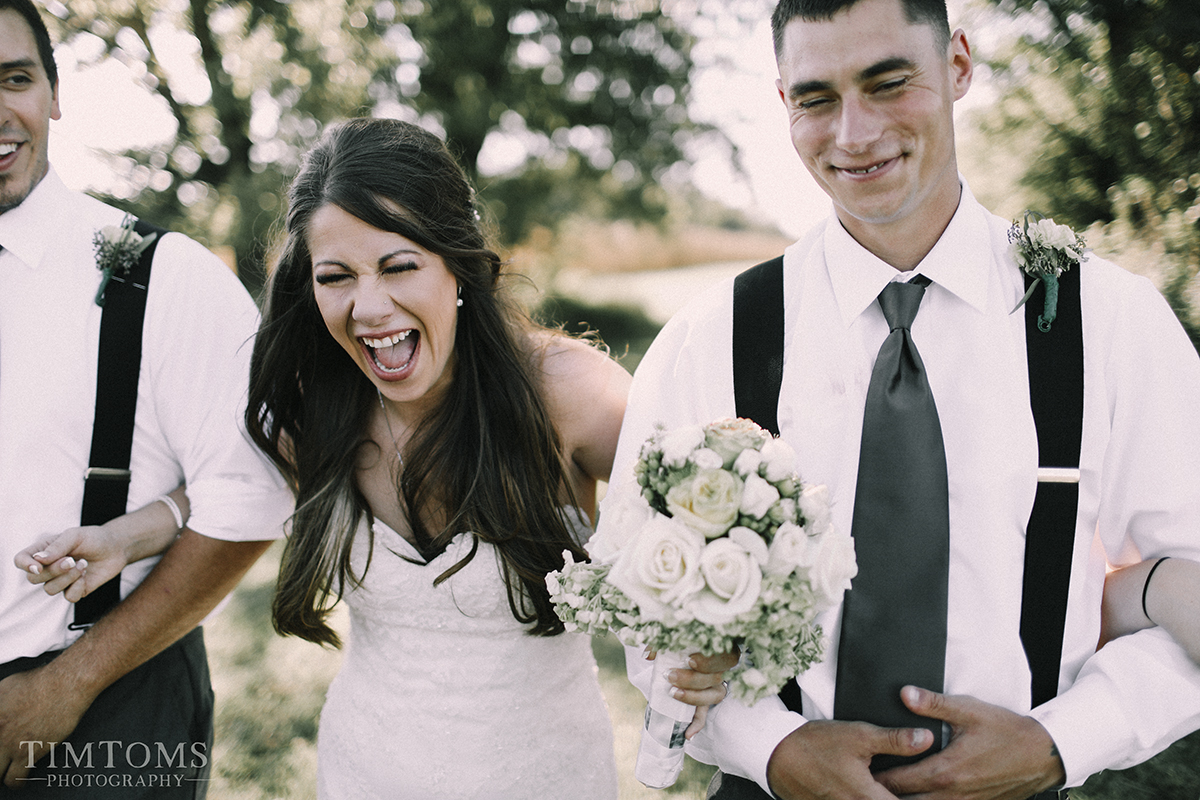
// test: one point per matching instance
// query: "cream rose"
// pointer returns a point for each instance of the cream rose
(660, 568)
(829, 565)
(707, 502)
(705, 458)
(788, 549)
(757, 496)
(814, 507)
(729, 437)
(678, 444)
(732, 580)
(779, 458)
(747, 462)
(617, 526)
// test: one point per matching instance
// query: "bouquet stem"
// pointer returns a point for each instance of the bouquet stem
(660, 754)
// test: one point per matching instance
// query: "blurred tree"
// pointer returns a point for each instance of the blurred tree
(1109, 93)
(559, 105)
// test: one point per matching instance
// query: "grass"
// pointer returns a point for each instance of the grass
(270, 691)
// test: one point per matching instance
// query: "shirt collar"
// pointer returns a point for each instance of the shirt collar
(26, 230)
(959, 262)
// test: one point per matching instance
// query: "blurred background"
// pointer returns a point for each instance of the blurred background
(627, 153)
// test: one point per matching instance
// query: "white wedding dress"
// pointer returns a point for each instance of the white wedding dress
(442, 694)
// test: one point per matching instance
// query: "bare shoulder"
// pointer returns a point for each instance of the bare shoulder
(585, 391)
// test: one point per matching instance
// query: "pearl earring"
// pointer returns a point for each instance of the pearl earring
(459, 303)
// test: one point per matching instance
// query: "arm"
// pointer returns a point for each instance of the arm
(1171, 596)
(45, 704)
(79, 560)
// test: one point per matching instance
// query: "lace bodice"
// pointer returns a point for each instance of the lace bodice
(442, 694)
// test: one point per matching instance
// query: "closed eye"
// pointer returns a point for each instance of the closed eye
(328, 278)
(394, 269)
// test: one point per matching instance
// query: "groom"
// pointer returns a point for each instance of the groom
(869, 87)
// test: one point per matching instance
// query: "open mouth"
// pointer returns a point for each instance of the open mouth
(392, 354)
(8, 148)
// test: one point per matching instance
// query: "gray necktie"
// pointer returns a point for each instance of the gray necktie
(894, 619)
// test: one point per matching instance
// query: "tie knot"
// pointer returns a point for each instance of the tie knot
(900, 301)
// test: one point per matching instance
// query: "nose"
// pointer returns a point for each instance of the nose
(372, 304)
(858, 125)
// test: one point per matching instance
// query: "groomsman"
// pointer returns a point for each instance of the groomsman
(982, 679)
(112, 700)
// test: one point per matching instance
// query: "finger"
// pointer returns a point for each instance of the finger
(929, 704)
(697, 723)
(52, 571)
(649, 654)
(28, 557)
(904, 741)
(65, 579)
(699, 697)
(59, 546)
(717, 663)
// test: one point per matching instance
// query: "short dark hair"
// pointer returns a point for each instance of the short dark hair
(29, 11)
(927, 12)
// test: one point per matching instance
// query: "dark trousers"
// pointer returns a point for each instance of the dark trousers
(147, 737)
(731, 787)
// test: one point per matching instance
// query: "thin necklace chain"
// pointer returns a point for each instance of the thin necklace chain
(387, 421)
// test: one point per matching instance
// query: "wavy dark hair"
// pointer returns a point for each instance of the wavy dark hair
(487, 460)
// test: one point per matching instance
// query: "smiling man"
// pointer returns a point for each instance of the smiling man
(111, 699)
(963, 660)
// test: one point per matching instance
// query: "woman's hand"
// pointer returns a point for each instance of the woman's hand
(79, 560)
(74, 562)
(703, 685)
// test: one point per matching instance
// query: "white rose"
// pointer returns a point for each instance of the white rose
(1017, 254)
(829, 566)
(757, 496)
(780, 459)
(706, 459)
(678, 444)
(751, 542)
(729, 437)
(788, 549)
(618, 524)
(660, 567)
(747, 462)
(814, 507)
(708, 501)
(733, 583)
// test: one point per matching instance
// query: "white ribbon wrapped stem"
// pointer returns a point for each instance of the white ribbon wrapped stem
(660, 754)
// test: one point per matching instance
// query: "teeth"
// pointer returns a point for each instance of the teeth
(8, 148)
(866, 171)
(388, 342)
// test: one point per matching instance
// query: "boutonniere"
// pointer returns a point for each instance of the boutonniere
(118, 248)
(1045, 250)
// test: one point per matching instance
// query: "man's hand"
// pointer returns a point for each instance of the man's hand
(831, 760)
(994, 754)
(36, 706)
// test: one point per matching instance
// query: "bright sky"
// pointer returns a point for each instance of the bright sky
(104, 109)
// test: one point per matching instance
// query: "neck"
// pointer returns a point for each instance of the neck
(904, 243)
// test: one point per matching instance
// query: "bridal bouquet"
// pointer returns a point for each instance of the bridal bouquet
(724, 546)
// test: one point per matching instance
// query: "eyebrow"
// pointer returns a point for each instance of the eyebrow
(878, 68)
(20, 63)
(333, 262)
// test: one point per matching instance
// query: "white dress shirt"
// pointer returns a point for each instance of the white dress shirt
(1140, 472)
(196, 348)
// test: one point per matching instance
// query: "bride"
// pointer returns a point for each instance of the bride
(444, 452)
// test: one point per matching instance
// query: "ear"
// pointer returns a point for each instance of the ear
(55, 111)
(961, 66)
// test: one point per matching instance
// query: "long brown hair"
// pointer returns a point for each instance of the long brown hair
(487, 459)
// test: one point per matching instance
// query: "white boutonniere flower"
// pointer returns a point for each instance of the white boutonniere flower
(118, 248)
(1045, 250)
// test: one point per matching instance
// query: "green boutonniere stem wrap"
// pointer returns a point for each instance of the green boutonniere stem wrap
(1050, 310)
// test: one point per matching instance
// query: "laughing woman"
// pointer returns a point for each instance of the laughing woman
(444, 453)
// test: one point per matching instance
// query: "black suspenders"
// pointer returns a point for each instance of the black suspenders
(1056, 397)
(106, 486)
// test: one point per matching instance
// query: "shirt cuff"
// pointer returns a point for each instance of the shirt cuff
(740, 739)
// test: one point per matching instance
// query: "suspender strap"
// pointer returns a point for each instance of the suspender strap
(758, 343)
(758, 364)
(106, 486)
(1056, 397)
